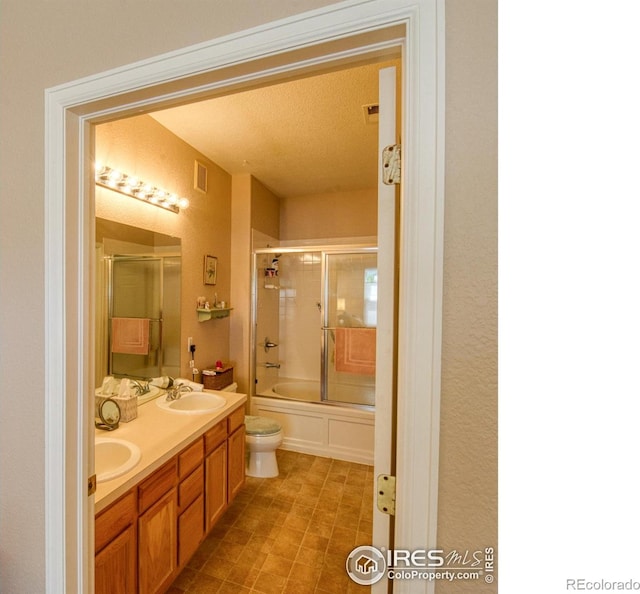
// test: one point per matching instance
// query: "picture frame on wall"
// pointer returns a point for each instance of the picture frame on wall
(210, 270)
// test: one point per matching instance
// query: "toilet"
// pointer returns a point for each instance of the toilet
(264, 436)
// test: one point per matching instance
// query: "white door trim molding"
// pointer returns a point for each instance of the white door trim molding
(70, 108)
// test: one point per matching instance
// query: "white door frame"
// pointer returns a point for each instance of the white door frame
(343, 31)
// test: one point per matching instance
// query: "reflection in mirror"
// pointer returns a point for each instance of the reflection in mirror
(138, 279)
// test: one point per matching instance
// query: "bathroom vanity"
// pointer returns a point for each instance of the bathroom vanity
(151, 520)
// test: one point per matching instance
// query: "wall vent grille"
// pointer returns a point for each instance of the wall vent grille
(200, 177)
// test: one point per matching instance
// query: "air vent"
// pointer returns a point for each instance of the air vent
(200, 177)
(371, 113)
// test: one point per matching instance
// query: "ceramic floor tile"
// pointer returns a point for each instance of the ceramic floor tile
(285, 550)
(287, 535)
(268, 583)
(309, 557)
(204, 584)
(242, 575)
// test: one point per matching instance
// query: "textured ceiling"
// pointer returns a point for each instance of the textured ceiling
(306, 136)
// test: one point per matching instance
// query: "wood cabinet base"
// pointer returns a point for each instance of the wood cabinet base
(147, 536)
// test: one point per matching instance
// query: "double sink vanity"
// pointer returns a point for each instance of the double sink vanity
(163, 481)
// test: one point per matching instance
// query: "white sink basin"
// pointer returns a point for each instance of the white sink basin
(114, 457)
(193, 403)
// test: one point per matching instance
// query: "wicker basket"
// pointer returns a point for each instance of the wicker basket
(128, 406)
(217, 379)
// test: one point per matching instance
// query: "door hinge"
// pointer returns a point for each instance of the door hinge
(92, 483)
(391, 164)
(386, 498)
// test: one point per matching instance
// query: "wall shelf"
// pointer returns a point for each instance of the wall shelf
(213, 313)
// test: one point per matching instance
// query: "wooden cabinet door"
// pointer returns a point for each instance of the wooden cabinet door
(115, 571)
(190, 530)
(158, 545)
(236, 444)
(215, 484)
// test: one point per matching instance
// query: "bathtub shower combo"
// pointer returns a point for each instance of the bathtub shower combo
(314, 347)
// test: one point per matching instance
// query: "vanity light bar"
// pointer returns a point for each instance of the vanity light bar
(132, 186)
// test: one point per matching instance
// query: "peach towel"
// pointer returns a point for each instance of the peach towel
(130, 336)
(356, 350)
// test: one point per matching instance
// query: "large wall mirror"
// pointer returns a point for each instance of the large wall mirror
(138, 280)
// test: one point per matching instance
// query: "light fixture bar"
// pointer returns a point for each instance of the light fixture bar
(135, 188)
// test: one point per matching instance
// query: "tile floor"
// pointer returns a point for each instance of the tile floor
(287, 535)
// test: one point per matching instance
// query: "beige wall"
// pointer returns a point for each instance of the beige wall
(254, 207)
(141, 147)
(44, 43)
(241, 278)
(265, 209)
(325, 216)
(468, 489)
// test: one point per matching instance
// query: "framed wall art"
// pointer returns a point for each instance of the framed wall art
(210, 270)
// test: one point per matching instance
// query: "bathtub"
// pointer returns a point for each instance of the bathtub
(309, 391)
(314, 427)
(306, 390)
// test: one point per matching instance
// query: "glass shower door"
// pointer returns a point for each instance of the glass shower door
(349, 332)
(136, 292)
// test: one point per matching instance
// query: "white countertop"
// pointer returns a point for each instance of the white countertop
(160, 435)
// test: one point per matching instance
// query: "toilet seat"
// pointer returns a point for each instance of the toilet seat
(255, 425)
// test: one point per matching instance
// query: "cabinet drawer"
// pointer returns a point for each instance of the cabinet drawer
(151, 489)
(190, 458)
(215, 436)
(235, 419)
(191, 487)
(113, 520)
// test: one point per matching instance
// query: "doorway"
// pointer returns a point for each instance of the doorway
(68, 127)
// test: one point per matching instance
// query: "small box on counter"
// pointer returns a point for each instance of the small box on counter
(218, 378)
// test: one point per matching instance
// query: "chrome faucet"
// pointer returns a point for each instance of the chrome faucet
(140, 387)
(176, 391)
(272, 365)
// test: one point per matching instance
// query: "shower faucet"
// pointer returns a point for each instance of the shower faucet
(268, 344)
(272, 365)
